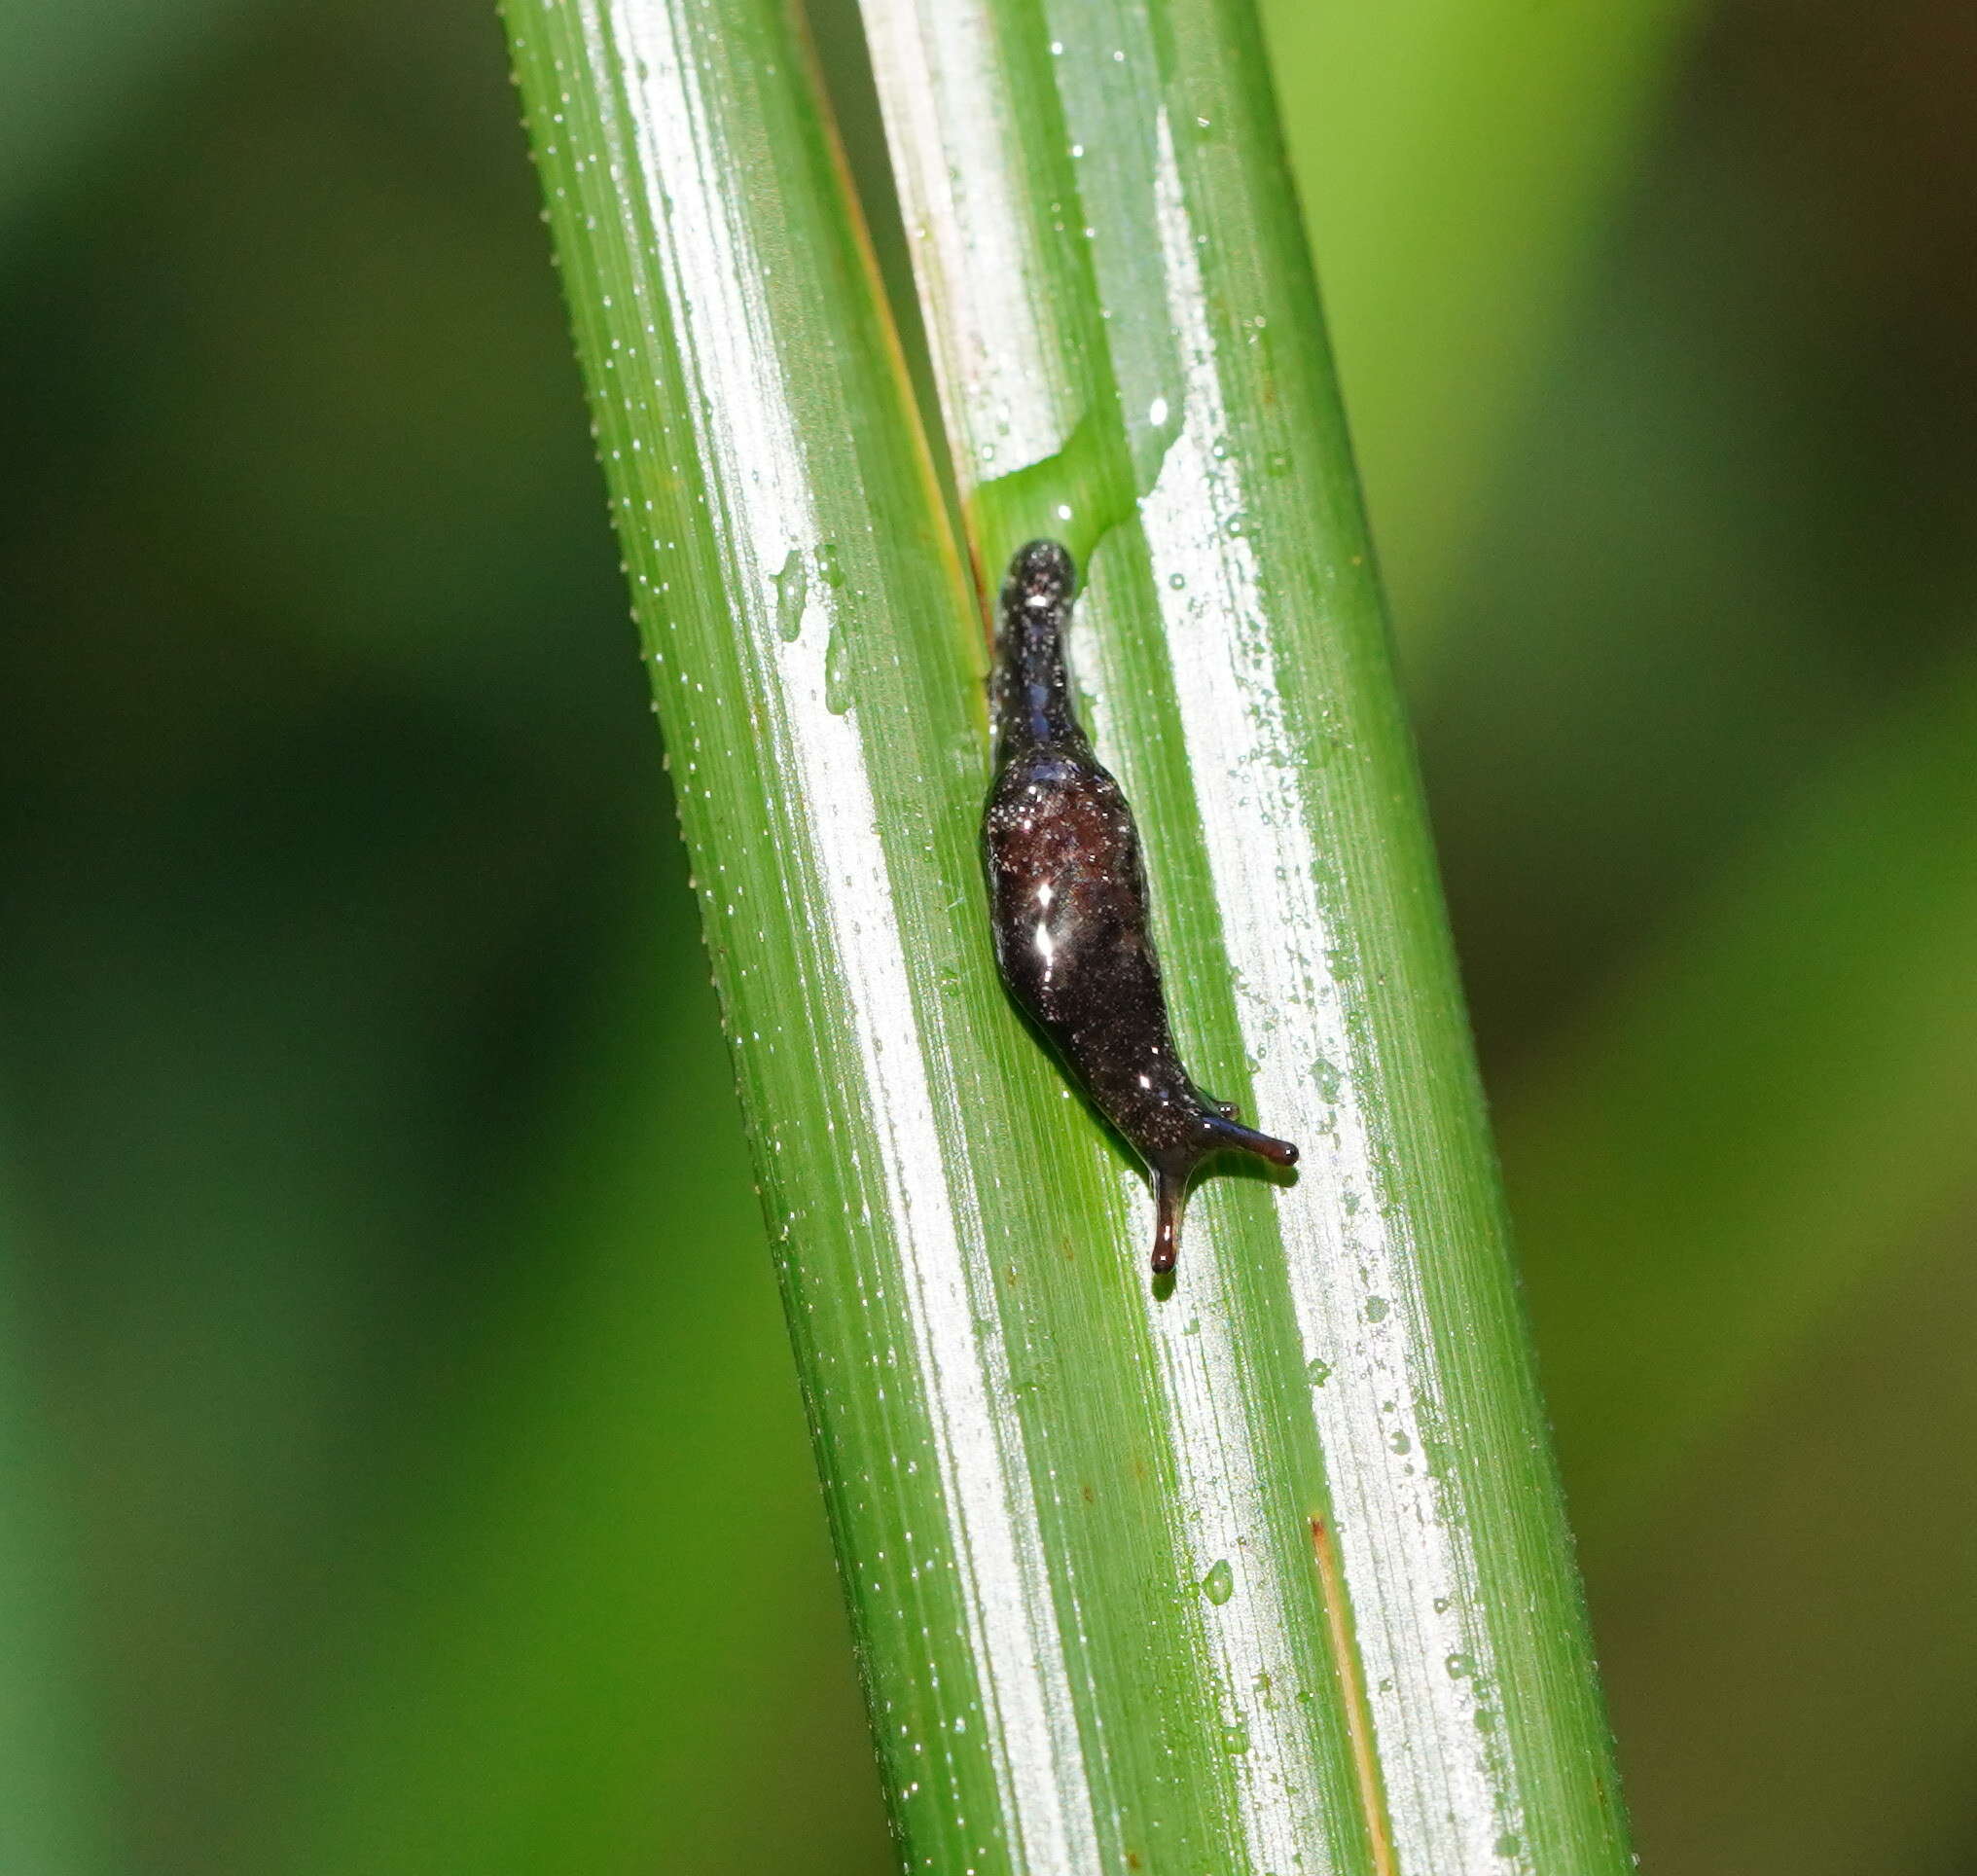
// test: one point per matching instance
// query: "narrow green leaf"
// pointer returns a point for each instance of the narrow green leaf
(1121, 309)
(1266, 1574)
(817, 666)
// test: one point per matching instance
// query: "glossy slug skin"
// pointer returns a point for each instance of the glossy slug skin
(1068, 907)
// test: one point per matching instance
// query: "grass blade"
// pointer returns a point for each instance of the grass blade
(1242, 1577)
(818, 670)
(1131, 357)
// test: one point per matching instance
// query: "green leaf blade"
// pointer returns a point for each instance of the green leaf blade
(968, 1351)
(1239, 1577)
(1233, 645)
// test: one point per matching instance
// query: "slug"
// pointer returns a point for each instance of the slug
(1069, 906)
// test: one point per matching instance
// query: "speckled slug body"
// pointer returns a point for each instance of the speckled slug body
(1068, 905)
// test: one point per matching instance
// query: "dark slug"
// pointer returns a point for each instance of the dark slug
(1068, 907)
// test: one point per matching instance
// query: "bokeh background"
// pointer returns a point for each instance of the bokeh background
(400, 1468)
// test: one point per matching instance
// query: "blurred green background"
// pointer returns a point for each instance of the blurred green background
(400, 1468)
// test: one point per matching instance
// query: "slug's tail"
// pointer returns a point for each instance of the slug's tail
(1230, 1132)
(1169, 1194)
(1226, 1134)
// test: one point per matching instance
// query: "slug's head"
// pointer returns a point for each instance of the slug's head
(1032, 694)
(1042, 577)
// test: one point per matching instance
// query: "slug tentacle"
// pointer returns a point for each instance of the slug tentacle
(1068, 905)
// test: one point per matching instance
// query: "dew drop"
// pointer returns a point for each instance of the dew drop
(792, 588)
(1220, 1584)
(837, 673)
